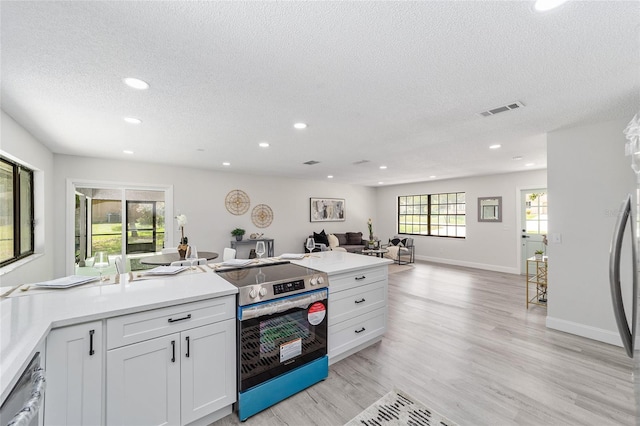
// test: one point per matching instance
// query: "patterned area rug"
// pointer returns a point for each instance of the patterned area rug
(398, 408)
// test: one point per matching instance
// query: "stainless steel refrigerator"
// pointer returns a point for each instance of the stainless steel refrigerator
(627, 318)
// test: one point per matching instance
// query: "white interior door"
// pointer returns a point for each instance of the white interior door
(534, 223)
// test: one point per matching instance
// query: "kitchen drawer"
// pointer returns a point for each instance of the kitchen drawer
(356, 331)
(133, 328)
(347, 280)
(356, 301)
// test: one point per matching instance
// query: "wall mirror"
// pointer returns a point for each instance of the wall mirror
(489, 209)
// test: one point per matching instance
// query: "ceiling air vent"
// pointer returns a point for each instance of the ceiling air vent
(360, 162)
(311, 162)
(500, 109)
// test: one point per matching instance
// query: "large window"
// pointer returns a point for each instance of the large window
(440, 215)
(16, 211)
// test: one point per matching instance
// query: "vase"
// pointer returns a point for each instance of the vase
(182, 251)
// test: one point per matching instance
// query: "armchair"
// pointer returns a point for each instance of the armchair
(401, 251)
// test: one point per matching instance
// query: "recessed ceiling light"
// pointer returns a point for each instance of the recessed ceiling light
(496, 146)
(432, 176)
(544, 5)
(380, 183)
(136, 83)
(263, 144)
(200, 149)
(226, 163)
(383, 167)
(330, 177)
(517, 158)
(300, 125)
(126, 151)
(529, 164)
(132, 120)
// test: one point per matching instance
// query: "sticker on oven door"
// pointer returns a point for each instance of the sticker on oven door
(290, 350)
(316, 313)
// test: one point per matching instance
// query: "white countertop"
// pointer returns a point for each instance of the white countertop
(333, 262)
(27, 317)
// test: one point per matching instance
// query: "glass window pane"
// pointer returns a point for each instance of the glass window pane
(460, 197)
(6, 211)
(442, 198)
(416, 199)
(451, 198)
(26, 209)
(424, 199)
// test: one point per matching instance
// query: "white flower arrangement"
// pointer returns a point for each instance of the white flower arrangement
(182, 221)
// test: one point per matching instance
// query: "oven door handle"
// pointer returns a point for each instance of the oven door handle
(33, 404)
(277, 306)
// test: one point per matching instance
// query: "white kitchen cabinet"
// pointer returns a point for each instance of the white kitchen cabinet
(176, 378)
(208, 373)
(143, 383)
(357, 310)
(74, 363)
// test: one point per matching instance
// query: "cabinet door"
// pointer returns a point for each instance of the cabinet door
(74, 375)
(143, 383)
(208, 369)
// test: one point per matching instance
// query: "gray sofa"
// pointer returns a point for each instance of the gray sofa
(349, 241)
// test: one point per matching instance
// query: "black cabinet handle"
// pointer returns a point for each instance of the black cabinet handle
(91, 351)
(173, 348)
(180, 319)
(360, 301)
(360, 331)
(360, 278)
(187, 354)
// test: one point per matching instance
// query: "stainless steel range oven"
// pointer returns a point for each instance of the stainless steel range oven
(282, 333)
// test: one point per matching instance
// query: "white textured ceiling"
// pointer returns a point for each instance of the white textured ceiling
(395, 83)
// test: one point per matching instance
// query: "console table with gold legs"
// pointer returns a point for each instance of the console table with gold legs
(536, 281)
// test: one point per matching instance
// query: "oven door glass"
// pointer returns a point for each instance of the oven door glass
(281, 335)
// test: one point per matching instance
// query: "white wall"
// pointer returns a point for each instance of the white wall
(19, 145)
(200, 195)
(589, 176)
(492, 246)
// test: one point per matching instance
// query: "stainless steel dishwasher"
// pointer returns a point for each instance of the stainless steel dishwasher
(22, 406)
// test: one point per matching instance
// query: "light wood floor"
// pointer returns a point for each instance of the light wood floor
(461, 341)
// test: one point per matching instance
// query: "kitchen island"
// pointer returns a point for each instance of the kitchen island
(358, 286)
(27, 318)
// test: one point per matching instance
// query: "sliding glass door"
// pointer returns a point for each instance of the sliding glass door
(121, 220)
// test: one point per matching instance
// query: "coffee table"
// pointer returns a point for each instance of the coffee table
(375, 252)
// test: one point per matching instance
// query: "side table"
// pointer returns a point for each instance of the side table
(536, 275)
(268, 242)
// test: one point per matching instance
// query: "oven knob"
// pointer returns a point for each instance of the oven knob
(320, 280)
(263, 292)
(313, 281)
(253, 293)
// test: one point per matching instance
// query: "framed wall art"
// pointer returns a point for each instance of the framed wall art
(327, 209)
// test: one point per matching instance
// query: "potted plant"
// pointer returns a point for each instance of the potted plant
(238, 233)
(539, 254)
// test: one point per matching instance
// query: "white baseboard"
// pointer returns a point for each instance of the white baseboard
(485, 266)
(599, 334)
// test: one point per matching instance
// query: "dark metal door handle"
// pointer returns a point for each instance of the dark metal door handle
(526, 236)
(360, 331)
(360, 278)
(91, 351)
(180, 319)
(187, 339)
(173, 351)
(360, 301)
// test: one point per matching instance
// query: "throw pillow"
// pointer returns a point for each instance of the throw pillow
(333, 241)
(321, 238)
(395, 241)
(342, 239)
(354, 238)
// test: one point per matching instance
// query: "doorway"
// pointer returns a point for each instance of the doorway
(126, 221)
(534, 223)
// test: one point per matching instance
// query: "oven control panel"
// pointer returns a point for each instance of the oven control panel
(283, 288)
